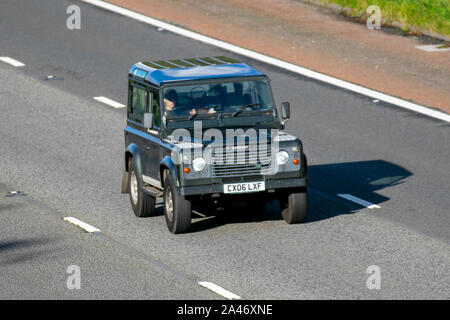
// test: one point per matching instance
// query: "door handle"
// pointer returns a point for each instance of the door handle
(147, 147)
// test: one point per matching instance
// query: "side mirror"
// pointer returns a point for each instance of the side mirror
(148, 120)
(285, 110)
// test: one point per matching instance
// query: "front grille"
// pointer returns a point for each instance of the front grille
(240, 161)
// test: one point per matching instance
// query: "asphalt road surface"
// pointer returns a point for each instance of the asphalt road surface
(64, 151)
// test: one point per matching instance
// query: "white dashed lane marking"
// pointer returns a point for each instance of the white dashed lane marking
(219, 290)
(83, 225)
(110, 102)
(12, 62)
(359, 201)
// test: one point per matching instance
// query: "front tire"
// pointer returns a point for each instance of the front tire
(294, 207)
(177, 209)
(143, 205)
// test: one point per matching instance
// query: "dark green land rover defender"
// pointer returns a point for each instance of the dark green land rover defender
(205, 131)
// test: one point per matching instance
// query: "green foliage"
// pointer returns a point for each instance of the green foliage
(433, 15)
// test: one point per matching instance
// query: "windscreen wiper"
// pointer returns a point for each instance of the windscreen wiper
(241, 108)
(192, 116)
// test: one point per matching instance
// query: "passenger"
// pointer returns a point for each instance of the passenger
(237, 98)
(218, 94)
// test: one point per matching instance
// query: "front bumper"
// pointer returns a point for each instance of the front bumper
(218, 187)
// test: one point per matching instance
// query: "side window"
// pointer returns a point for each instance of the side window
(139, 99)
(156, 109)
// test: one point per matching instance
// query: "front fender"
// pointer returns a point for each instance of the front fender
(132, 151)
(167, 163)
(137, 154)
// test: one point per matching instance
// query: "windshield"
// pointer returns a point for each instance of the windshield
(234, 97)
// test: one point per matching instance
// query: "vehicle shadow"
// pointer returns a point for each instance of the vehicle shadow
(24, 250)
(239, 212)
(361, 179)
(9, 206)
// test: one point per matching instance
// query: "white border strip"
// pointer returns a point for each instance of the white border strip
(432, 48)
(273, 61)
(359, 201)
(81, 224)
(110, 102)
(219, 290)
(12, 62)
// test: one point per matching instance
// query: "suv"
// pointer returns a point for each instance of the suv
(205, 131)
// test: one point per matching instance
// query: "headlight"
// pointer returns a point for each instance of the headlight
(282, 157)
(198, 164)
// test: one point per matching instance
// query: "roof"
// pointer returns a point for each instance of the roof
(164, 71)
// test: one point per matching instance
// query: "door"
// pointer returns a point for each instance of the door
(137, 106)
(152, 144)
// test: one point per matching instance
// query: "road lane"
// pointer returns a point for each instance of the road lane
(254, 257)
(340, 129)
(70, 157)
(36, 250)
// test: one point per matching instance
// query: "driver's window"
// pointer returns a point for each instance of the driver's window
(139, 100)
(155, 108)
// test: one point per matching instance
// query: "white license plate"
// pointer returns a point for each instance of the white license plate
(244, 187)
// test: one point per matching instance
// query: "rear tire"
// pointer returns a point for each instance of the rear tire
(177, 210)
(143, 205)
(294, 207)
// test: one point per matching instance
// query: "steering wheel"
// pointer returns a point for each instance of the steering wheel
(200, 91)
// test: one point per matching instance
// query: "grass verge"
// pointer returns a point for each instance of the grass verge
(431, 15)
